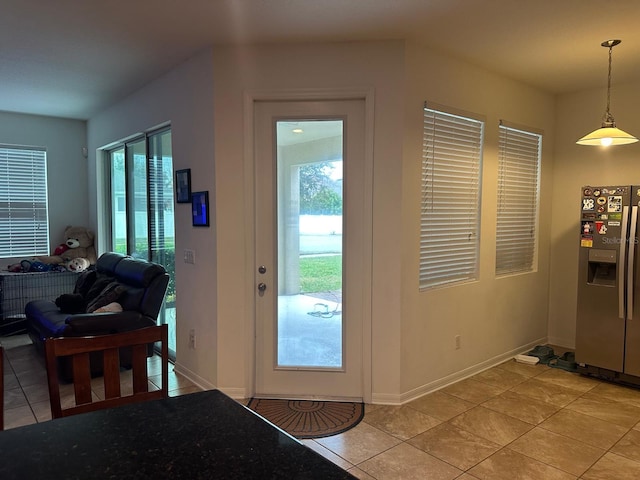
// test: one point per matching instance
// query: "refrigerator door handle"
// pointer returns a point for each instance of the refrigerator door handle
(630, 261)
(621, 262)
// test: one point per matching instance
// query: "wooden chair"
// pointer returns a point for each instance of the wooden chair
(80, 348)
(1, 388)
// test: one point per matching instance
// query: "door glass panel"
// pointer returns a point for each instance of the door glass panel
(137, 185)
(161, 215)
(118, 201)
(309, 242)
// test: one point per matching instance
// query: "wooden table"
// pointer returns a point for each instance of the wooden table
(196, 436)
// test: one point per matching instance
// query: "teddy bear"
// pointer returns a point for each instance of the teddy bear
(79, 243)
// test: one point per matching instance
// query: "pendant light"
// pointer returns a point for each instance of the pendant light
(608, 134)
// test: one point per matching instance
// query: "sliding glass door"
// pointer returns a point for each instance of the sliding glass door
(142, 208)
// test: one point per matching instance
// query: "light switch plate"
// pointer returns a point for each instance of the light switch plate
(190, 256)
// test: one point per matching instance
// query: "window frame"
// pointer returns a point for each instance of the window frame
(451, 194)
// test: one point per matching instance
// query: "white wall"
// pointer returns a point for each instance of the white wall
(495, 318)
(377, 65)
(184, 99)
(577, 165)
(66, 166)
(413, 333)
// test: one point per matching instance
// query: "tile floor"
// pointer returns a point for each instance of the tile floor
(513, 421)
(26, 396)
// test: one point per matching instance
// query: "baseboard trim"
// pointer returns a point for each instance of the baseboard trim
(235, 392)
(400, 399)
(193, 377)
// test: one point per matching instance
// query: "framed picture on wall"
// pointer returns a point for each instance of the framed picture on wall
(200, 209)
(183, 185)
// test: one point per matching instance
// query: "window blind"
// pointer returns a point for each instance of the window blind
(24, 222)
(518, 197)
(450, 213)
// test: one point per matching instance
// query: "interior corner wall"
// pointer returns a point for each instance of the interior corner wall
(577, 165)
(182, 98)
(64, 140)
(299, 68)
(494, 317)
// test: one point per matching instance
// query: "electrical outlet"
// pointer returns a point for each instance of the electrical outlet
(457, 342)
(190, 256)
(192, 339)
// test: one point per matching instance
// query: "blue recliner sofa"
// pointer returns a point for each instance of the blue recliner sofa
(138, 286)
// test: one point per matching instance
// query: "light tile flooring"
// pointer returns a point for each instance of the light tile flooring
(513, 421)
(26, 396)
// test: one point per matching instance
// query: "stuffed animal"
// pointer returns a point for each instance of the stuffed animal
(34, 266)
(26, 266)
(77, 264)
(79, 241)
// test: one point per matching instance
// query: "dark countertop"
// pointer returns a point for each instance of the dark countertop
(201, 435)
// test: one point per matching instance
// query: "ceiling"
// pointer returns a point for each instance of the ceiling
(73, 58)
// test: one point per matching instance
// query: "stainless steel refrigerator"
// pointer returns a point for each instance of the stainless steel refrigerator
(608, 315)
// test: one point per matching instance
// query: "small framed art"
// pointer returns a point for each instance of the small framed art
(183, 185)
(200, 209)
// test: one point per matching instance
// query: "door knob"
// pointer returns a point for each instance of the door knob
(262, 287)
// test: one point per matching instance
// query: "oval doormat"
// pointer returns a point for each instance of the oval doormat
(309, 418)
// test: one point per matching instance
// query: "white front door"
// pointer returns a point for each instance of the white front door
(309, 171)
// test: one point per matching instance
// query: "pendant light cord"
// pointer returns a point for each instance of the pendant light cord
(608, 118)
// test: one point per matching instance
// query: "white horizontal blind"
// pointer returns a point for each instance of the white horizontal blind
(450, 214)
(24, 223)
(518, 197)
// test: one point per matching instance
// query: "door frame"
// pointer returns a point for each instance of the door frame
(250, 97)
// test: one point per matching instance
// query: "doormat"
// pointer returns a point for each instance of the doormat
(309, 418)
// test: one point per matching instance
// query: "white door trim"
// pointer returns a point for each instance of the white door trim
(250, 97)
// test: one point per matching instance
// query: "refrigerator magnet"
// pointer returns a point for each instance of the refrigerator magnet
(588, 204)
(615, 203)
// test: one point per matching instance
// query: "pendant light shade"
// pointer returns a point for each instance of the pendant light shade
(608, 134)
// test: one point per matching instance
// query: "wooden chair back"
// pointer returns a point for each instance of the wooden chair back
(80, 348)
(1, 388)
